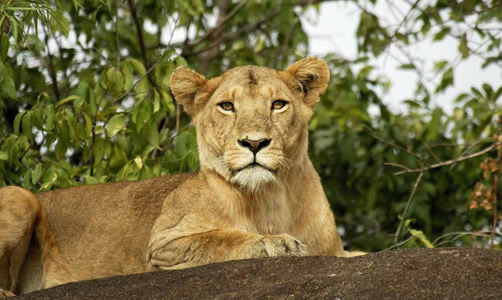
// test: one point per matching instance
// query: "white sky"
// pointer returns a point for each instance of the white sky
(334, 31)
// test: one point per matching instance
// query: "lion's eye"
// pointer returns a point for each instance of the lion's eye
(228, 106)
(278, 104)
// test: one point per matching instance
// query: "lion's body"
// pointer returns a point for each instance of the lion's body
(256, 194)
(101, 230)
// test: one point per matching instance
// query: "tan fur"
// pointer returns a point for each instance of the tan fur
(230, 209)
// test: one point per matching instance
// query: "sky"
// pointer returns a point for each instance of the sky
(334, 31)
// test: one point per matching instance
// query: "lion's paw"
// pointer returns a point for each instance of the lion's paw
(5, 293)
(278, 245)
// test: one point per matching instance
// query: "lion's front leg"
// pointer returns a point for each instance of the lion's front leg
(18, 214)
(166, 252)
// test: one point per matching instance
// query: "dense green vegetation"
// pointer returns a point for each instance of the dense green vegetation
(84, 98)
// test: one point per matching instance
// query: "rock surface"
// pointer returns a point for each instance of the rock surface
(441, 273)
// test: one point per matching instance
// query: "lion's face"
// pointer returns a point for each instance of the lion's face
(252, 121)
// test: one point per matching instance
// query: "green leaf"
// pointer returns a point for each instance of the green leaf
(139, 162)
(167, 101)
(50, 117)
(407, 67)
(488, 91)
(98, 150)
(88, 125)
(128, 77)
(463, 48)
(421, 236)
(37, 173)
(184, 143)
(7, 85)
(61, 148)
(49, 178)
(4, 155)
(59, 22)
(26, 124)
(440, 65)
(67, 99)
(143, 114)
(156, 101)
(441, 33)
(138, 66)
(37, 118)
(142, 89)
(115, 80)
(153, 136)
(4, 45)
(91, 180)
(17, 122)
(446, 81)
(115, 125)
(181, 62)
(412, 103)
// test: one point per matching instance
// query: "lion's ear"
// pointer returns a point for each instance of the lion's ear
(310, 77)
(186, 85)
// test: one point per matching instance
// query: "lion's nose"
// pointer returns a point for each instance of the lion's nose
(254, 145)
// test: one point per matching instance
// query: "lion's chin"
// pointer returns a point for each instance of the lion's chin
(253, 178)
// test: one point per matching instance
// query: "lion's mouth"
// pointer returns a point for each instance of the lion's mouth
(255, 165)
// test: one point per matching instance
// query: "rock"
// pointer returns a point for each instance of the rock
(441, 273)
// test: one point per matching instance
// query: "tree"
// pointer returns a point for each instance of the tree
(84, 98)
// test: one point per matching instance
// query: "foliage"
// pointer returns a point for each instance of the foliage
(84, 98)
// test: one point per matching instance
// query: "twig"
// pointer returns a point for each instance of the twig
(236, 34)
(93, 135)
(117, 34)
(219, 25)
(470, 146)
(430, 151)
(284, 46)
(459, 235)
(397, 166)
(147, 71)
(52, 72)
(406, 17)
(446, 163)
(370, 131)
(178, 119)
(65, 68)
(405, 210)
(398, 244)
(208, 56)
(141, 40)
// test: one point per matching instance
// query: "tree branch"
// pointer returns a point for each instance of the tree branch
(405, 210)
(207, 56)
(52, 71)
(233, 35)
(458, 235)
(117, 37)
(219, 25)
(141, 41)
(444, 163)
(370, 131)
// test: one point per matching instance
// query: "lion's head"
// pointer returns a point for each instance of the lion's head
(251, 121)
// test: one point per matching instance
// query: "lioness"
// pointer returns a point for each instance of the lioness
(256, 193)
